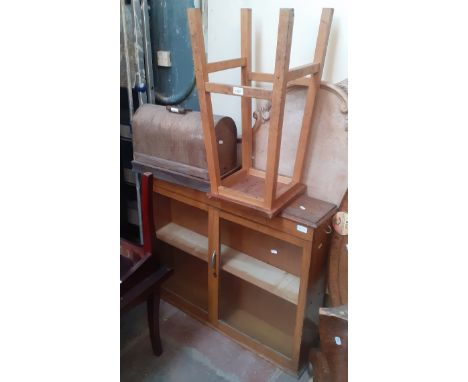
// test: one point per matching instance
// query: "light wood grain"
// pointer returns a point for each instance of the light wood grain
(261, 77)
(274, 196)
(234, 178)
(225, 64)
(274, 280)
(240, 196)
(249, 190)
(304, 81)
(286, 221)
(305, 129)
(283, 52)
(302, 71)
(266, 229)
(287, 193)
(248, 91)
(264, 304)
(246, 103)
(286, 256)
(322, 38)
(204, 97)
(261, 174)
(184, 239)
(319, 57)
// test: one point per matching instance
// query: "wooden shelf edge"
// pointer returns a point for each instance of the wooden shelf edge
(265, 276)
(184, 239)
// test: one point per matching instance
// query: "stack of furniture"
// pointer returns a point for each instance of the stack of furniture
(249, 256)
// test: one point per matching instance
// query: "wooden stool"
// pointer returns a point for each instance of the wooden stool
(266, 191)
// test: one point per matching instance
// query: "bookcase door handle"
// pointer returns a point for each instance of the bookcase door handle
(213, 261)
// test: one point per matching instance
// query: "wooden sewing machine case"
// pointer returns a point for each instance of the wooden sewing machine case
(171, 145)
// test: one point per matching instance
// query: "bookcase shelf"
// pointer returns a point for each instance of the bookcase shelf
(274, 280)
(261, 274)
(184, 239)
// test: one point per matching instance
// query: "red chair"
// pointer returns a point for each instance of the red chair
(141, 275)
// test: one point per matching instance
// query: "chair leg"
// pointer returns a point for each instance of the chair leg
(153, 322)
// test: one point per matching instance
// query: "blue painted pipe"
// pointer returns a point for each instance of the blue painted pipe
(169, 32)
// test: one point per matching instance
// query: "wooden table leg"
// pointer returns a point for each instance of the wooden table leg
(153, 322)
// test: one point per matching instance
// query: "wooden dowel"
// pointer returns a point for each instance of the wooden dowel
(261, 77)
(304, 81)
(234, 178)
(242, 91)
(226, 64)
(204, 98)
(283, 51)
(294, 189)
(322, 38)
(320, 52)
(261, 174)
(302, 71)
(241, 196)
(295, 75)
(246, 102)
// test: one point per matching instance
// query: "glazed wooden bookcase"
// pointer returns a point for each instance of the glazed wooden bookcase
(258, 280)
(266, 191)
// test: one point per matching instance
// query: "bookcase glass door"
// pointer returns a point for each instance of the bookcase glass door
(259, 285)
(182, 233)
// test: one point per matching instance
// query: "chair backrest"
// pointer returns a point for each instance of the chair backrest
(147, 218)
(133, 251)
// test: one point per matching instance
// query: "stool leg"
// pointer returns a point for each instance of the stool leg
(153, 322)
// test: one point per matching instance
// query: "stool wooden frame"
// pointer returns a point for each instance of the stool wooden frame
(266, 191)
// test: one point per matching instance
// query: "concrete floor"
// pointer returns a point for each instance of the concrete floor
(192, 352)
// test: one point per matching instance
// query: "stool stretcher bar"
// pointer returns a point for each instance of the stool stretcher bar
(241, 91)
(226, 64)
